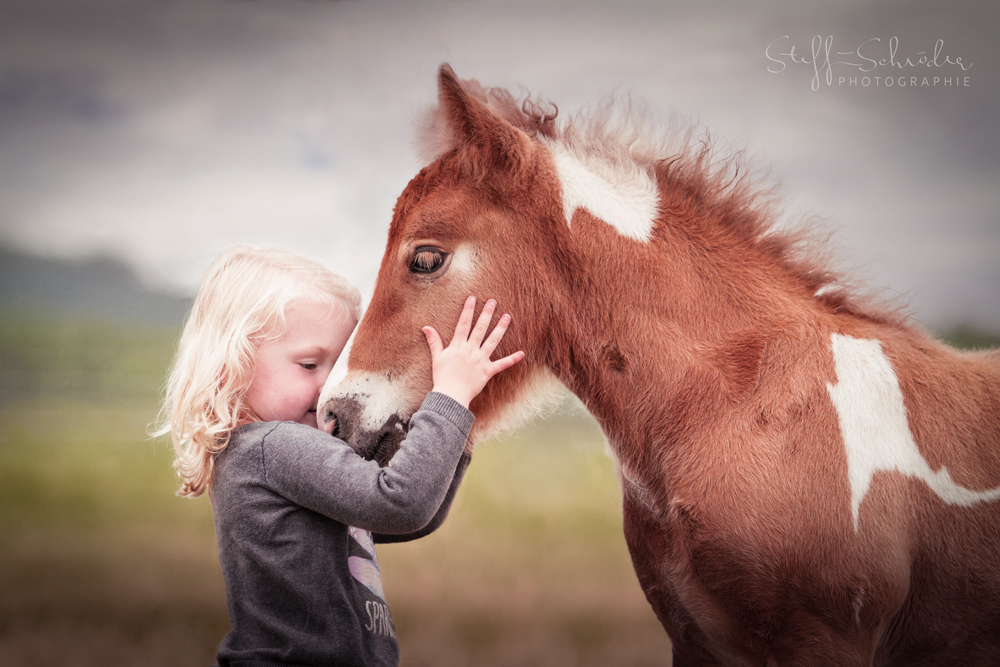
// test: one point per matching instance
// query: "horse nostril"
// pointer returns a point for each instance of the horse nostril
(329, 422)
(382, 447)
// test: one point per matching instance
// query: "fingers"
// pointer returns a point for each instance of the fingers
(465, 332)
(483, 323)
(505, 363)
(465, 319)
(462, 369)
(433, 341)
(496, 335)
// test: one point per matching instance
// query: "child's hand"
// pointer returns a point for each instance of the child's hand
(462, 369)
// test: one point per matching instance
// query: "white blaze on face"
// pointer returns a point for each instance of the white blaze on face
(338, 373)
(380, 399)
(873, 423)
(623, 195)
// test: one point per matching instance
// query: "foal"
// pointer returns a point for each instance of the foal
(806, 480)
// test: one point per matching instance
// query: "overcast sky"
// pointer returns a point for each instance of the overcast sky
(164, 132)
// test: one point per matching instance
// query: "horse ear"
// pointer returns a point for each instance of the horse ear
(487, 141)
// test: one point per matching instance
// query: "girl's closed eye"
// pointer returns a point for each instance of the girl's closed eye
(309, 365)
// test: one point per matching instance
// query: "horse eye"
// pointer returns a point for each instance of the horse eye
(426, 259)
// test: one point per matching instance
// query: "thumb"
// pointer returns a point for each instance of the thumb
(433, 341)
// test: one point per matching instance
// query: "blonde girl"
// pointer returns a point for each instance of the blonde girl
(294, 507)
(241, 304)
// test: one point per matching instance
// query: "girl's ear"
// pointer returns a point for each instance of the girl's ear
(496, 150)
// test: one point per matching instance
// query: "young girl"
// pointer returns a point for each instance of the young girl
(295, 507)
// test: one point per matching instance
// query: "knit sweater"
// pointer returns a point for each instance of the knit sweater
(294, 511)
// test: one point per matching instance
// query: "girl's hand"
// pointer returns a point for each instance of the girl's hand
(462, 369)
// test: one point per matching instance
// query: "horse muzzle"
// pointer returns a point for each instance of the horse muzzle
(342, 418)
(369, 412)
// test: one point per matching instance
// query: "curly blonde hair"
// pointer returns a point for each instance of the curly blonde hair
(241, 303)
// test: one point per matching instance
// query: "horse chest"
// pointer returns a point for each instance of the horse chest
(713, 599)
(665, 554)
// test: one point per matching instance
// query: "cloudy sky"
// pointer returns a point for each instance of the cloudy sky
(163, 132)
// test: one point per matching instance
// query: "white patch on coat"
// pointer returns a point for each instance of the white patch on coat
(624, 196)
(859, 603)
(630, 480)
(824, 290)
(633, 486)
(875, 429)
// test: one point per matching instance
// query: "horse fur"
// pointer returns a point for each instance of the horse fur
(708, 352)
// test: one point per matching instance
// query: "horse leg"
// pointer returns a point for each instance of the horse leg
(805, 655)
(804, 639)
(648, 543)
(809, 641)
(690, 655)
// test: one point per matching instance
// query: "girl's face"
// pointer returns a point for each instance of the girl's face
(292, 369)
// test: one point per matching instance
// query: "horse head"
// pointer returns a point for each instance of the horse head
(482, 219)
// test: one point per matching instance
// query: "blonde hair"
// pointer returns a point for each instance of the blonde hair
(241, 303)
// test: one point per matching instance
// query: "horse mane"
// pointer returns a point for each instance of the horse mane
(622, 133)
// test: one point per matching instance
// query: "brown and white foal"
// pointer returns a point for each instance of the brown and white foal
(807, 480)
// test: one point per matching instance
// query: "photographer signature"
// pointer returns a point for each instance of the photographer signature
(868, 57)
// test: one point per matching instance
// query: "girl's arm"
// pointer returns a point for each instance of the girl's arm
(442, 513)
(323, 474)
(405, 496)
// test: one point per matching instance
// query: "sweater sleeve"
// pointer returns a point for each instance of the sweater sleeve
(442, 513)
(323, 474)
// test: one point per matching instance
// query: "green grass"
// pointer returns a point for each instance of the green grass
(91, 359)
(98, 557)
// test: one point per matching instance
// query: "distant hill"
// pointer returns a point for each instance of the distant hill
(98, 287)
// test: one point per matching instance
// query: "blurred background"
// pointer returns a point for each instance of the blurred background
(139, 138)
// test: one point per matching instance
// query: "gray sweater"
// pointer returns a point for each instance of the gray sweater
(294, 511)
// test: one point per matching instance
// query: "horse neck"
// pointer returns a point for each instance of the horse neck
(650, 328)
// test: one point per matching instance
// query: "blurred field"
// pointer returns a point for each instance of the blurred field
(100, 564)
(531, 568)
